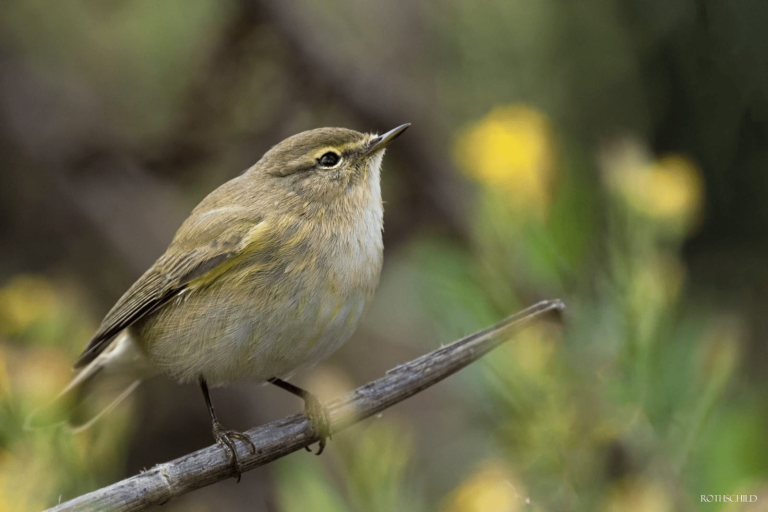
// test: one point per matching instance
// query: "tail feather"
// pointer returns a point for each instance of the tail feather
(96, 389)
(104, 410)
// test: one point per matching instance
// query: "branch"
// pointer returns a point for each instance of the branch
(279, 438)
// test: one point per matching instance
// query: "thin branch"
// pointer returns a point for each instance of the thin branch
(279, 438)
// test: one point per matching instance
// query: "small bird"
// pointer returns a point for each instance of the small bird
(270, 274)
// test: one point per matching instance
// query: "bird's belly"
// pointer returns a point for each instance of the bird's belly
(228, 338)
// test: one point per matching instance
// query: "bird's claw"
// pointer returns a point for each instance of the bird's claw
(320, 420)
(225, 439)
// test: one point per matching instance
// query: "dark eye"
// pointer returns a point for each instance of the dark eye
(329, 159)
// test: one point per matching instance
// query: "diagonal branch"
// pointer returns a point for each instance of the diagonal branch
(279, 438)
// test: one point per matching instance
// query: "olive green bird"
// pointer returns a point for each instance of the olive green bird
(270, 274)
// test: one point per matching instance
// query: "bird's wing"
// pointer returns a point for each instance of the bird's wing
(219, 236)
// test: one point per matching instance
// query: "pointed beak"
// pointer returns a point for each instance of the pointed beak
(382, 141)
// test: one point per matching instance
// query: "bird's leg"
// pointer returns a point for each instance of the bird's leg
(316, 413)
(225, 438)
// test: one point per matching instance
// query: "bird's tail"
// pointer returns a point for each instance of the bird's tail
(96, 389)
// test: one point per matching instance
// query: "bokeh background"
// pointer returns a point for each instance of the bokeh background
(612, 153)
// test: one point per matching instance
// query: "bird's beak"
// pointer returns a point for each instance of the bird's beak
(382, 141)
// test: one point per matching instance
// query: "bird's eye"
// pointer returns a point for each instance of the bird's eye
(329, 159)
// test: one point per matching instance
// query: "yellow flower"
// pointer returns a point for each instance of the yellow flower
(511, 148)
(26, 477)
(491, 487)
(639, 495)
(675, 187)
(39, 373)
(668, 190)
(25, 300)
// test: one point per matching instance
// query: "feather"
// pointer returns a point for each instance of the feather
(185, 261)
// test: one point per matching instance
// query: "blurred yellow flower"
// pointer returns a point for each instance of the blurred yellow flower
(675, 185)
(638, 495)
(511, 148)
(27, 478)
(490, 487)
(23, 301)
(38, 374)
(669, 189)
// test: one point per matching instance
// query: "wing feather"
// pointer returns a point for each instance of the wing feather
(219, 238)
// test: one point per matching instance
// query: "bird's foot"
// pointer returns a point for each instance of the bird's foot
(321, 421)
(226, 439)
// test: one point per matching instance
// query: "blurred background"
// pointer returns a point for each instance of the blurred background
(607, 152)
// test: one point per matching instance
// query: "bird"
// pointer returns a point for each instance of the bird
(270, 274)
